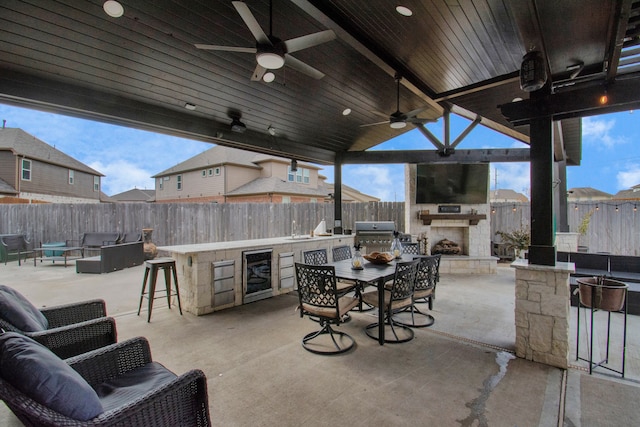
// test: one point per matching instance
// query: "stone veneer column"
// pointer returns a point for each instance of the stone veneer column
(542, 312)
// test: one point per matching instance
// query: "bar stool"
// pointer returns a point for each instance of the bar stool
(151, 269)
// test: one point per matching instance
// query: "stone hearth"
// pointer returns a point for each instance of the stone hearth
(469, 228)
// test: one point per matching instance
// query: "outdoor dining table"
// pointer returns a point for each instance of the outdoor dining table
(373, 274)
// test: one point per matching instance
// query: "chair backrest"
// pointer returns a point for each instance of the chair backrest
(340, 253)
(317, 289)
(438, 259)
(403, 280)
(315, 257)
(427, 272)
(411, 248)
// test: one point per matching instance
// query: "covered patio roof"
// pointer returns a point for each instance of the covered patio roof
(144, 70)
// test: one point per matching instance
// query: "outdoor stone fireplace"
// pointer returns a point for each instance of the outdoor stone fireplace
(467, 225)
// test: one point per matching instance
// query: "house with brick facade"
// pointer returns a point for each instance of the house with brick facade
(33, 171)
(229, 175)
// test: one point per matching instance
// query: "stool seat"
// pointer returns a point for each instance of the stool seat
(151, 268)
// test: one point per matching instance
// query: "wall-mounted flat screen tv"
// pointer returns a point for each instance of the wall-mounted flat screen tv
(452, 183)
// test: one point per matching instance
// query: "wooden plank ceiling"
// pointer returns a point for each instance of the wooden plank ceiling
(462, 56)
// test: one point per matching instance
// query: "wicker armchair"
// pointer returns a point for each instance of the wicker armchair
(163, 399)
(72, 328)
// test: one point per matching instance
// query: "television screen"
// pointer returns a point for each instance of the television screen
(452, 183)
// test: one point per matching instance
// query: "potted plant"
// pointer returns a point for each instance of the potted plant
(518, 240)
(582, 229)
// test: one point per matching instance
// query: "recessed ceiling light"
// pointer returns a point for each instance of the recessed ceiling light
(268, 77)
(113, 8)
(189, 106)
(404, 11)
(346, 111)
(518, 99)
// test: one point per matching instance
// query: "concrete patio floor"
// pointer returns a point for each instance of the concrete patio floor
(459, 372)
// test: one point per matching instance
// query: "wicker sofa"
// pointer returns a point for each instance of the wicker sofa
(118, 385)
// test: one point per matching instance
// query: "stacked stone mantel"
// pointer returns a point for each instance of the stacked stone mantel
(542, 312)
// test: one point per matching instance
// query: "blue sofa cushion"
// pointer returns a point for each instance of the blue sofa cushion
(44, 377)
(133, 385)
(17, 310)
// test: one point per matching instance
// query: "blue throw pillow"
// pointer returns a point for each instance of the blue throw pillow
(44, 377)
(17, 310)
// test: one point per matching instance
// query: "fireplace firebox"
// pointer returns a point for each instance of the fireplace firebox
(257, 275)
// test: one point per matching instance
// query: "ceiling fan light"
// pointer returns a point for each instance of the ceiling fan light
(270, 60)
(397, 124)
(113, 8)
(268, 77)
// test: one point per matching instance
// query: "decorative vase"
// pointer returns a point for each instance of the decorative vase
(150, 249)
(357, 262)
(396, 246)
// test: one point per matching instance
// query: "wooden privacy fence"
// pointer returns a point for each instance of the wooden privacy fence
(609, 230)
(612, 227)
(185, 223)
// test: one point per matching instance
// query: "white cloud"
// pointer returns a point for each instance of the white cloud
(384, 182)
(628, 178)
(123, 175)
(599, 132)
(513, 176)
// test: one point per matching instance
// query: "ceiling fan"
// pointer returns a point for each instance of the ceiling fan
(398, 119)
(271, 52)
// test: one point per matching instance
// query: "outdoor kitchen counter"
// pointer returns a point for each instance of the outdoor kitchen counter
(212, 276)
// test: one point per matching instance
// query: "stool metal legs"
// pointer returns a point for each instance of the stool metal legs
(151, 269)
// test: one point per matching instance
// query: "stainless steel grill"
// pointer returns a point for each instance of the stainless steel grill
(374, 236)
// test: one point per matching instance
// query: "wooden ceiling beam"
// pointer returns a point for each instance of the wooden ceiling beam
(485, 155)
(623, 95)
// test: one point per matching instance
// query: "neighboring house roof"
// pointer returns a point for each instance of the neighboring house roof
(6, 188)
(507, 195)
(587, 193)
(22, 143)
(216, 156)
(219, 155)
(350, 194)
(279, 186)
(631, 194)
(135, 195)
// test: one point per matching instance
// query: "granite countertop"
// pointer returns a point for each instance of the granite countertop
(253, 243)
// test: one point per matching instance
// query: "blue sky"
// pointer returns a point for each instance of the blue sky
(129, 157)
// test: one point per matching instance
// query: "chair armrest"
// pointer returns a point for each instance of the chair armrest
(183, 401)
(62, 315)
(111, 361)
(71, 340)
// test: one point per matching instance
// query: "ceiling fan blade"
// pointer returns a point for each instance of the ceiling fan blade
(415, 112)
(418, 121)
(300, 66)
(375, 124)
(226, 48)
(258, 73)
(310, 40)
(378, 113)
(250, 21)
